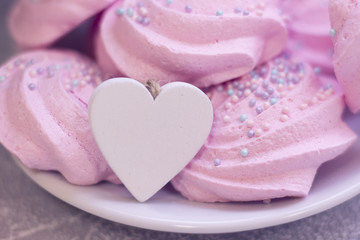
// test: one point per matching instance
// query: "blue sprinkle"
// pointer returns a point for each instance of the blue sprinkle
(2, 78)
(244, 152)
(169, 1)
(139, 19)
(235, 84)
(252, 102)
(188, 9)
(273, 79)
(219, 88)
(274, 71)
(120, 11)
(328, 86)
(241, 86)
(273, 101)
(40, 70)
(230, 92)
(75, 83)
(246, 12)
(251, 133)
(219, 13)
(243, 117)
(281, 81)
(31, 86)
(130, 12)
(258, 93)
(146, 21)
(259, 109)
(317, 70)
(263, 70)
(270, 90)
(265, 84)
(332, 32)
(265, 95)
(253, 87)
(217, 162)
(238, 10)
(30, 62)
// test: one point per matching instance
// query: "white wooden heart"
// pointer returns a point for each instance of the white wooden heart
(145, 141)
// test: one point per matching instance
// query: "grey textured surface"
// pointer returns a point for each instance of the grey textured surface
(28, 212)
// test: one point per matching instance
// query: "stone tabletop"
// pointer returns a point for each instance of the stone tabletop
(29, 212)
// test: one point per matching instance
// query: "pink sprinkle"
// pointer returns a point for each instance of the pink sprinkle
(226, 118)
(32, 73)
(321, 97)
(266, 105)
(258, 132)
(261, 5)
(9, 67)
(143, 11)
(235, 98)
(303, 106)
(228, 105)
(250, 123)
(266, 127)
(67, 87)
(247, 92)
(314, 101)
(284, 118)
(329, 92)
(280, 87)
(259, 13)
(285, 110)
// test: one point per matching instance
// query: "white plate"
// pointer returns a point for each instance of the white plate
(336, 182)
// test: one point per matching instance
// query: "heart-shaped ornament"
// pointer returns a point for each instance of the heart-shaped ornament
(148, 141)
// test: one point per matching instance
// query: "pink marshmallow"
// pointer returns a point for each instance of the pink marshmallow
(272, 130)
(44, 116)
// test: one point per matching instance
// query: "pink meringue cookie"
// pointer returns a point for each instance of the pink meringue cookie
(44, 117)
(190, 41)
(345, 19)
(308, 24)
(272, 129)
(39, 23)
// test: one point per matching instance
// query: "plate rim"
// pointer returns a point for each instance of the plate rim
(194, 227)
